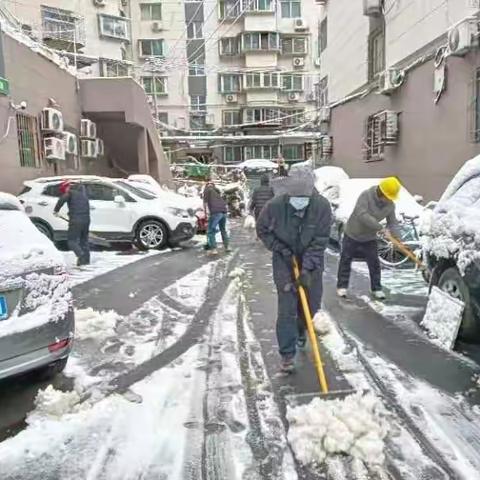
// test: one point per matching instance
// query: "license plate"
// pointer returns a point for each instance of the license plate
(3, 308)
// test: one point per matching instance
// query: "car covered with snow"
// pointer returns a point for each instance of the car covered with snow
(36, 313)
(120, 212)
(452, 244)
(327, 181)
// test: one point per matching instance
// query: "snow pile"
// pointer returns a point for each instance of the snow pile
(328, 180)
(355, 426)
(443, 318)
(237, 272)
(249, 222)
(322, 322)
(95, 325)
(54, 403)
(453, 229)
(258, 163)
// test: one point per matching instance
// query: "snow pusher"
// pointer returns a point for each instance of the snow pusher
(406, 251)
(325, 392)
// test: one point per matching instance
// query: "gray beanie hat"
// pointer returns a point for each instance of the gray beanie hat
(299, 183)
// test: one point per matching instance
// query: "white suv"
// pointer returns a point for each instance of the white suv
(120, 213)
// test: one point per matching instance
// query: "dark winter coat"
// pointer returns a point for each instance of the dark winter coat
(305, 234)
(78, 204)
(261, 195)
(213, 199)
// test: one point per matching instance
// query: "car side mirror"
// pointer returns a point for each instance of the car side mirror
(119, 199)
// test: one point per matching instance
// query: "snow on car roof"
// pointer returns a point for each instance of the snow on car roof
(9, 202)
(257, 163)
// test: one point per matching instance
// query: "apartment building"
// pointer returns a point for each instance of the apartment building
(402, 79)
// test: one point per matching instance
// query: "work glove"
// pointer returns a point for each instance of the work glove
(305, 279)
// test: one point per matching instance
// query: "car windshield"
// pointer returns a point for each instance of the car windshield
(136, 191)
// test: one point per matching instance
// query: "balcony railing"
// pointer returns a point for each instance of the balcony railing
(62, 31)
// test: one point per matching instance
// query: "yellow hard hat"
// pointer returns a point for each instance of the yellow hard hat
(390, 187)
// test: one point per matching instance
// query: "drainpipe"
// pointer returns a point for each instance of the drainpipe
(2, 60)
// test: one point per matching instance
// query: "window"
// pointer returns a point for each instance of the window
(229, 83)
(292, 82)
(198, 103)
(151, 48)
(260, 41)
(114, 68)
(267, 152)
(292, 153)
(64, 25)
(323, 92)
(194, 30)
(294, 45)
(231, 117)
(229, 46)
(293, 117)
(259, 6)
(155, 85)
(322, 36)
(28, 140)
(100, 191)
(114, 27)
(229, 9)
(232, 154)
(197, 68)
(262, 114)
(374, 146)
(291, 8)
(151, 11)
(52, 190)
(261, 80)
(198, 122)
(163, 117)
(376, 53)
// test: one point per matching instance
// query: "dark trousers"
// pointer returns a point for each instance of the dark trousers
(367, 251)
(290, 320)
(78, 239)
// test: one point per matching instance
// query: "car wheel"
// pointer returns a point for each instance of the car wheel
(44, 228)
(151, 234)
(48, 372)
(452, 282)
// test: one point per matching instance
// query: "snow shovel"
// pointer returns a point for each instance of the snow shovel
(406, 251)
(95, 239)
(322, 378)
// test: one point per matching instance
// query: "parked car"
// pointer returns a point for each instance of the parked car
(120, 212)
(36, 312)
(452, 245)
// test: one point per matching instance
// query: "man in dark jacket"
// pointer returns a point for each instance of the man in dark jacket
(261, 195)
(75, 196)
(295, 223)
(360, 239)
(216, 209)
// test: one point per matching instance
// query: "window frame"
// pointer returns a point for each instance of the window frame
(255, 115)
(323, 35)
(196, 69)
(121, 20)
(233, 149)
(289, 4)
(254, 6)
(300, 152)
(142, 54)
(258, 44)
(292, 87)
(195, 30)
(151, 7)
(262, 82)
(106, 63)
(222, 81)
(198, 106)
(28, 137)
(376, 53)
(232, 42)
(229, 14)
(259, 151)
(156, 80)
(292, 121)
(293, 51)
(233, 114)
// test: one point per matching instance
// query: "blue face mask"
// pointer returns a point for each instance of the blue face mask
(299, 203)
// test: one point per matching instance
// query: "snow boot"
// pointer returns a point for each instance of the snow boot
(212, 252)
(288, 365)
(378, 295)
(342, 292)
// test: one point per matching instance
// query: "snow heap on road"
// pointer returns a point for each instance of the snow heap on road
(95, 325)
(453, 229)
(53, 403)
(355, 426)
(322, 322)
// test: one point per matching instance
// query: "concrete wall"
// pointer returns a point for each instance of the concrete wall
(434, 138)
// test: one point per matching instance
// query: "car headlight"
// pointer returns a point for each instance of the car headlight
(178, 212)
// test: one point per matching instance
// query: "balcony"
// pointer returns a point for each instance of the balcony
(62, 30)
(259, 7)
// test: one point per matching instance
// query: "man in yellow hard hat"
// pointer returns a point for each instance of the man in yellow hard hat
(360, 236)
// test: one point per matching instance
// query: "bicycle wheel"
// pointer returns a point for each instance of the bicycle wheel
(389, 256)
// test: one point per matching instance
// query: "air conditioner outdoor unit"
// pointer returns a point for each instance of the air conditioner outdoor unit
(88, 129)
(99, 147)
(231, 98)
(463, 37)
(54, 148)
(372, 7)
(157, 26)
(391, 79)
(298, 62)
(99, 3)
(293, 96)
(324, 114)
(52, 120)
(317, 62)
(71, 144)
(388, 127)
(88, 148)
(299, 25)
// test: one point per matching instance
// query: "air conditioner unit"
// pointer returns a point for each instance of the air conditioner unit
(88, 129)
(299, 25)
(324, 114)
(390, 80)
(326, 146)
(293, 96)
(298, 62)
(317, 62)
(372, 7)
(54, 148)
(52, 120)
(71, 144)
(157, 26)
(99, 3)
(463, 37)
(88, 148)
(388, 127)
(231, 98)
(99, 147)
